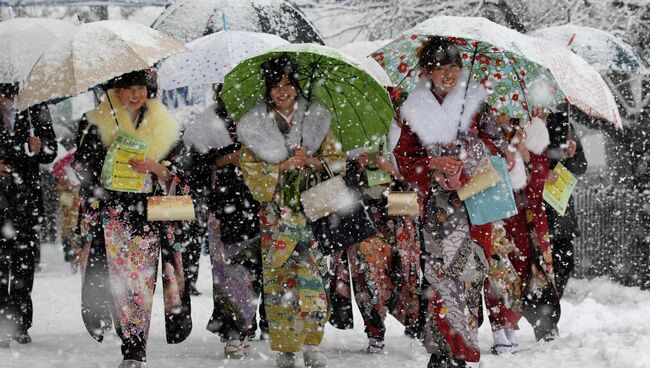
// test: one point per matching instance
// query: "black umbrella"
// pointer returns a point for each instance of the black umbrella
(187, 20)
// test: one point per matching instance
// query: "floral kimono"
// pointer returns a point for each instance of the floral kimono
(293, 269)
(454, 251)
(121, 249)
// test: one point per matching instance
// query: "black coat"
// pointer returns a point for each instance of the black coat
(559, 128)
(228, 198)
(26, 176)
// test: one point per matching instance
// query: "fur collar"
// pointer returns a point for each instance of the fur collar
(537, 137)
(158, 127)
(260, 133)
(207, 132)
(435, 123)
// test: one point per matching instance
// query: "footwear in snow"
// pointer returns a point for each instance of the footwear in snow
(375, 346)
(234, 349)
(511, 334)
(129, 363)
(23, 338)
(314, 357)
(285, 360)
(502, 344)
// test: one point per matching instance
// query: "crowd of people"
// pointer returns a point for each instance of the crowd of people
(432, 271)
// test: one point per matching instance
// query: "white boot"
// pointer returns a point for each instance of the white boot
(511, 334)
(375, 346)
(233, 349)
(314, 357)
(285, 360)
(501, 343)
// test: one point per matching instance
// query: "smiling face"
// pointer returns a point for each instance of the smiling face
(133, 97)
(283, 94)
(444, 78)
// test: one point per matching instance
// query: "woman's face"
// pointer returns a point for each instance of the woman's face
(284, 94)
(444, 78)
(133, 97)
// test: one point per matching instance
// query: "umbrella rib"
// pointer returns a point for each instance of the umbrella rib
(338, 126)
(365, 132)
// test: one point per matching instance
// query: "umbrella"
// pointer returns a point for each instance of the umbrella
(602, 50)
(187, 20)
(512, 66)
(94, 54)
(361, 108)
(23, 40)
(361, 52)
(211, 57)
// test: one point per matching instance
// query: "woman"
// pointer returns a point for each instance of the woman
(233, 226)
(120, 247)
(286, 143)
(438, 152)
(384, 267)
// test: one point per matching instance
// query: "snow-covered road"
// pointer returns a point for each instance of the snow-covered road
(603, 325)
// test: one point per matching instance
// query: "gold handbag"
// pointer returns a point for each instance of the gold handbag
(327, 197)
(403, 204)
(170, 208)
(486, 176)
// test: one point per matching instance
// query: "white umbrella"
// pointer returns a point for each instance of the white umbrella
(23, 40)
(361, 52)
(211, 57)
(91, 55)
(601, 49)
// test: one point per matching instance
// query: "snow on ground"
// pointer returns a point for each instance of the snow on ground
(603, 325)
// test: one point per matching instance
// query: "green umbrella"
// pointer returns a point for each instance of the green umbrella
(360, 106)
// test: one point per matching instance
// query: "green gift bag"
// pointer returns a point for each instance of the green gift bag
(375, 176)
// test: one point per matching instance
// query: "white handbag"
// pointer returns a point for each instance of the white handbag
(327, 197)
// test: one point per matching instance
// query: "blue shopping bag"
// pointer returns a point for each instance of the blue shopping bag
(496, 202)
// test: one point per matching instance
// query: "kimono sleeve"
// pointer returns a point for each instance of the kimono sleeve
(260, 177)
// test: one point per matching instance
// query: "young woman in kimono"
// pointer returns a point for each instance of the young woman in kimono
(438, 151)
(233, 227)
(121, 249)
(286, 143)
(384, 267)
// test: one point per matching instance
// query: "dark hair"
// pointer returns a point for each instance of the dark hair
(9, 89)
(437, 51)
(275, 69)
(127, 80)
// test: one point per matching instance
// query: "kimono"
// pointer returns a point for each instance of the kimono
(384, 268)
(233, 227)
(121, 249)
(502, 288)
(295, 297)
(454, 251)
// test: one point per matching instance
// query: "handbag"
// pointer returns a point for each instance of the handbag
(486, 176)
(342, 228)
(326, 197)
(402, 204)
(170, 207)
(496, 202)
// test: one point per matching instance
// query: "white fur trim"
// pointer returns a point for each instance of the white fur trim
(207, 132)
(394, 134)
(258, 131)
(435, 123)
(537, 138)
(518, 175)
(158, 126)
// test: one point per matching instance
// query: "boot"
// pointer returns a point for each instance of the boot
(314, 357)
(23, 338)
(375, 346)
(511, 334)
(502, 344)
(129, 363)
(285, 360)
(233, 349)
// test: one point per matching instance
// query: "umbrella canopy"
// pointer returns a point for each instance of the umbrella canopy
(187, 20)
(509, 64)
(361, 108)
(361, 52)
(601, 49)
(211, 57)
(23, 40)
(94, 54)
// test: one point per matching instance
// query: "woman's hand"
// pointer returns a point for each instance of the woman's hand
(363, 160)
(150, 166)
(5, 170)
(387, 166)
(448, 165)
